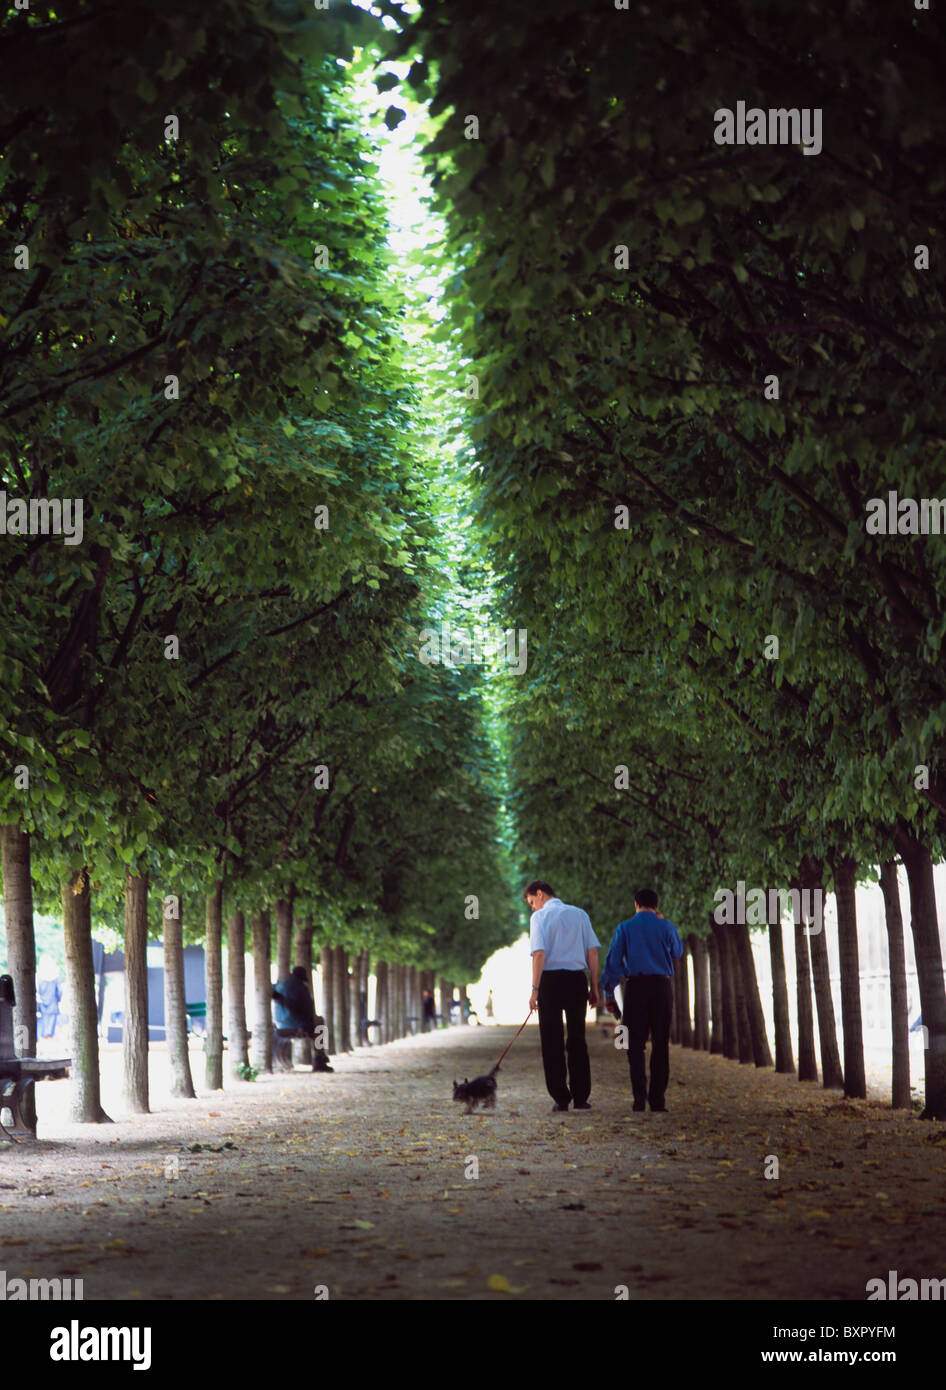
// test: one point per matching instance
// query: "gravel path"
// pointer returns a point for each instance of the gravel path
(371, 1184)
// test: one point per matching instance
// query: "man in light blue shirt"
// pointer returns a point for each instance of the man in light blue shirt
(563, 944)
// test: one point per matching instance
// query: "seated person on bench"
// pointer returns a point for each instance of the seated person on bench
(296, 1018)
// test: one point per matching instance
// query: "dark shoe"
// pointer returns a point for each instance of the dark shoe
(659, 1108)
(582, 1105)
(640, 1105)
(559, 1107)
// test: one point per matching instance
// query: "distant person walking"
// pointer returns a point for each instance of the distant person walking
(642, 952)
(563, 945)
(430, 1011)
(490, 1011)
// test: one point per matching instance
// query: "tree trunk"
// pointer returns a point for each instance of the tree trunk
(342, 1007)
(213, 955)
(831, 1074)
(21, 949)
(135, 1015)
(327, 968)
(674, 1008)
(759, 1043)
(784, 1059)
(262, 978)
(236, 984)
(844, 870)
(807, 1065)
(284, 938)
(728, 980)
(742, 1038)
(716, 991)
(445, 996)
(80, 975)
(929, 968)
(175, 999)
(302, 951)
(394, 1020)
(354, 986)
(364, 983)
(681, 970)
(899, 1018)
(380, 1001)
(700, 992)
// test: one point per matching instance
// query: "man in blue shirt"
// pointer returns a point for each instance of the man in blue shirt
(563, 944)
(295, 1017)
(642, 953)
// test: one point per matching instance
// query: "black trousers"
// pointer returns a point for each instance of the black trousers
(564, 991)
(648, 1004)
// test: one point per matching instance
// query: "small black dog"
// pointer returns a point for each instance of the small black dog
(481, 1088)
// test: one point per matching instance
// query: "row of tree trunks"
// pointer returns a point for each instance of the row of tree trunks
(399, 1003)
(735, 1009)
(725, 986)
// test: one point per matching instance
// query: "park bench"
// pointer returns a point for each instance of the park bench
(193, 1012)
(16, 1073)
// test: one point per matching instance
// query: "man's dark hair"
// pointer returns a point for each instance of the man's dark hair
(538, 885)
(299, 971)
(646, 898)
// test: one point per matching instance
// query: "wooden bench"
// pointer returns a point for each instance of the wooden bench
(17, 1073)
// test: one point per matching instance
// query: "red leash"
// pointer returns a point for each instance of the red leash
(521, 1026)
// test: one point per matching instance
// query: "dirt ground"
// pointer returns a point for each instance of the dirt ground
(372, 1184)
